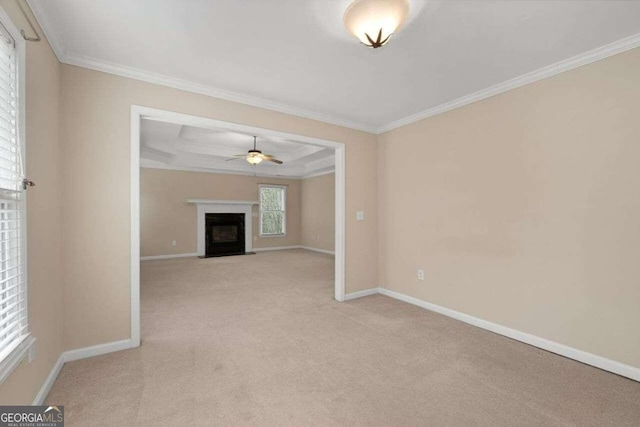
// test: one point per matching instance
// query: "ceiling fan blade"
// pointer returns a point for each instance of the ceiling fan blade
(270, 158)
(234, 158)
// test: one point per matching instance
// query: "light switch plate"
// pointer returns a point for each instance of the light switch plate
(360, 215)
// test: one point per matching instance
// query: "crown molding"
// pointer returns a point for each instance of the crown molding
(594, 55)
(314, 175)
(588, 57)
(145, 165)
(188, 86)
(181, 84)
(47, 29)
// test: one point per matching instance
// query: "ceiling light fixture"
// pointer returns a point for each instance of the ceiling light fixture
(374, 21)
(256, 156)
(253, 157)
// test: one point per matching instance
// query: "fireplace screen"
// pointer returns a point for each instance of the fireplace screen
(224, 233)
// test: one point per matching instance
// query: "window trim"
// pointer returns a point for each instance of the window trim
(284, 210)
(22, 348)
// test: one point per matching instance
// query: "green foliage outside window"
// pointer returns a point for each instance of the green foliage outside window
(272, 209)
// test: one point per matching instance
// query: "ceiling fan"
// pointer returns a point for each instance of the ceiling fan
(255, 156)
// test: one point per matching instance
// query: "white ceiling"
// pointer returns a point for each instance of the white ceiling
(174, 146)
(295, 55)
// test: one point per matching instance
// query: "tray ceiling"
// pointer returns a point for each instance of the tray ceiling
(174, 146)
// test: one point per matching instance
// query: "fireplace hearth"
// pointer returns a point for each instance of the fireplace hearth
(224, 234)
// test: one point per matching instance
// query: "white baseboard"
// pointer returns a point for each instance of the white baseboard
(97, 350)
(77, 354)
(48, 383)
(554, 347)
(275, 248)
(322, 251)
(361, 294)
(152, 257)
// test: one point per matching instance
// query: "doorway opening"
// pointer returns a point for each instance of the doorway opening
(141, 114)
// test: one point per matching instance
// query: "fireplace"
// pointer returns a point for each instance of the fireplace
(224, 234)
(213, 206)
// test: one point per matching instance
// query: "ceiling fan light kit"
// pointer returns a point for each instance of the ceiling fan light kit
(373, 22)
(255, 156)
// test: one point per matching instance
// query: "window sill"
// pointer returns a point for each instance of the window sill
(17, 355)
(273, 235)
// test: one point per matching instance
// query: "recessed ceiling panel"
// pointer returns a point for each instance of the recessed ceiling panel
(176, 146)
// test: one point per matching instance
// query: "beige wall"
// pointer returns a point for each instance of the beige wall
(165, 215)
(318, 212)
(523, 209)
(95, 126)
(44, 231)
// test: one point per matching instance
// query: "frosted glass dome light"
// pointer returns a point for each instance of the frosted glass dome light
(374, 21)
(254, 158)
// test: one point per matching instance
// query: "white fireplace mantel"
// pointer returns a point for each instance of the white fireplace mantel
(224, 206)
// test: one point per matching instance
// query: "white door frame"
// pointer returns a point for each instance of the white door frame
(139, 112)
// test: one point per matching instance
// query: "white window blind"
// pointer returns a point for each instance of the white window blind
(13, 291)
(273, 201)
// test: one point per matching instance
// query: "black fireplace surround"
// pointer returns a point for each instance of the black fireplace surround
(224, 234)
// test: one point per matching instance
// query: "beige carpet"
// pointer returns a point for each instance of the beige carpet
(258, 340)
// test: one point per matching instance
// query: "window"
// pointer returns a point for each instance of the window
(273, 217)
(14, 335)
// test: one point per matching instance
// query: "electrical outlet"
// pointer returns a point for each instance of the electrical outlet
(420, 274)
(173, 243)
